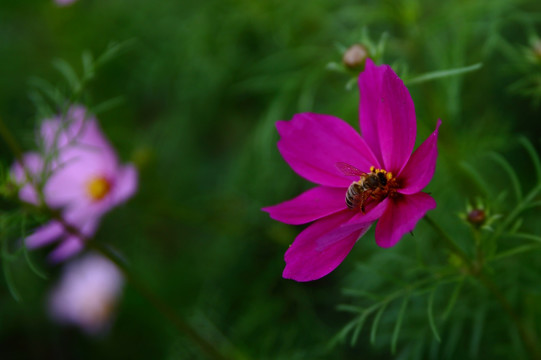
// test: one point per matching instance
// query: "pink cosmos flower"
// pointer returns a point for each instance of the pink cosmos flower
(78, 173)
(377, 173)
(87, 294)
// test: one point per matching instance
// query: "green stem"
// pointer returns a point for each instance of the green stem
(449, 242)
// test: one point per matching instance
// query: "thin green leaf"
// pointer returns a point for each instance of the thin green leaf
(398, 325)
(510, 172)
(341, 335)
(88, 65)
(452, 300)
(516, 226)
(5, 266)
(112, 51)
(380, 47)
(351, 83)
(9, 281)
(477, 332)
(67, 71)
(475, 177)
(533, 154)
(524, 236)
(107, 105)
(431, 315)
(533, 204)
(30, 263)
(451, 340)
(358, 328)
(375, 323)
(54, 95)
(516, 250)
(442, 74)
(361, 293)
(350, 308)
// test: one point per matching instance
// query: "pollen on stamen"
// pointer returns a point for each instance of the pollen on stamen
(98, 187)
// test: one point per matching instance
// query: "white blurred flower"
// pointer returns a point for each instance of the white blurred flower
(87, 294)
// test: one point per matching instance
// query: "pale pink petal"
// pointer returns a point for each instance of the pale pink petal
(44, 235)
(67, 248)
(387, 115)
(312, 144)
(33, 167)
(401, 217)
(420, 167)
(82, 219)
(67, 185)
(75, 133)
(321, 247)
(125, 184)
(309, 206)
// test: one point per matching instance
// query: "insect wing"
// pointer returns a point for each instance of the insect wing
(349, 170)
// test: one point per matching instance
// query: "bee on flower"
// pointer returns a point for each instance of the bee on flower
(361, 178)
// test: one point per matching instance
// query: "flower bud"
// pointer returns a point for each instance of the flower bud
(355, 57)
(476, 217)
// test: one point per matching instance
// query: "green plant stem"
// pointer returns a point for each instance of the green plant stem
(527, 337)
(449, 242)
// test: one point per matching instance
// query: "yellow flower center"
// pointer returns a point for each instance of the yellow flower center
(98, 187)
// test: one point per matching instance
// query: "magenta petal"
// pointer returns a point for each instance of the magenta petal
(67, 248)
(321, 247)
(420, 167)
(309, 206)
(372, 213)
(401, 217)
(312, 144)
(44, 235)
(387, 115)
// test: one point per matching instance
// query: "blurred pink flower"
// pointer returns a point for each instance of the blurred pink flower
(87, 294)
(377, 172)
(78, 173)
(64, 2)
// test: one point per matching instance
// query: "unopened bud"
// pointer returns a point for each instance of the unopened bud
(476, 217)
(355, 57)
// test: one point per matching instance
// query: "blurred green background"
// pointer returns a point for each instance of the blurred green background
(202, 84)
